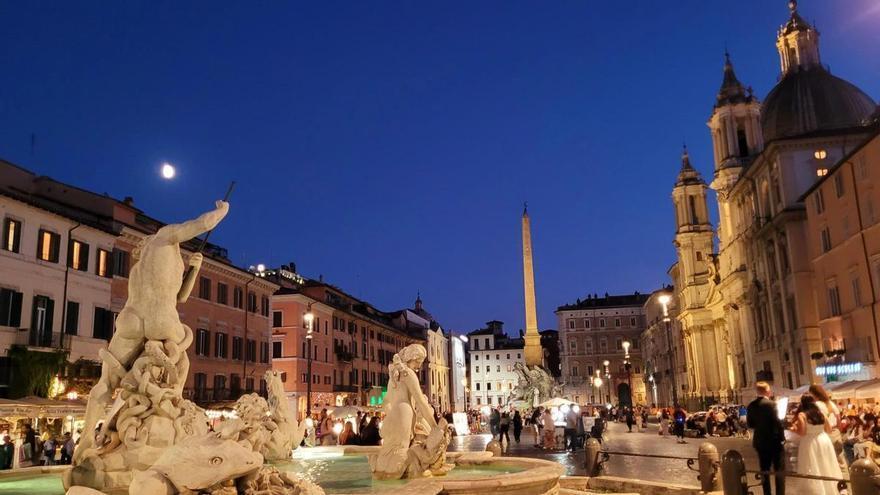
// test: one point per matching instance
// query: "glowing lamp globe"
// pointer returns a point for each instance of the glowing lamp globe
(168, 171)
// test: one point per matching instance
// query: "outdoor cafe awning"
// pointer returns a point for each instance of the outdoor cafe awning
(29, 407)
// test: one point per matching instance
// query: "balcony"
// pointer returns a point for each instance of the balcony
(342, 354)
(42, 339)
(345, 388)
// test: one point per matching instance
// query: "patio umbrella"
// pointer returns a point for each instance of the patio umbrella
(344, 411)
(556, 402)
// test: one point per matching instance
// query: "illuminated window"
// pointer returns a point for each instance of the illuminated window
(820, 154)
(103, 261)
(821, 172)
(78, 255)
(11, 235)
(47, 246)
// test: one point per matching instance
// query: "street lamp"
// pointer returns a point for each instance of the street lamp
(307, 323)
(664, 300)
(628, 366)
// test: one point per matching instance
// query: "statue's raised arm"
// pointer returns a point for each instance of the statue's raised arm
(177, 233)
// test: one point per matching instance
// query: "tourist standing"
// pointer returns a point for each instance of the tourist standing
(347, 437)
(816, 454)
(570, 431)
(7, 453)
(67, 449)
(517, 426)
(370, 433)
(504, 428)
(769, 436)
(494, 422)
(549, 430)
(537, 426)
(664, 422)
(638, 416)
(629, 419)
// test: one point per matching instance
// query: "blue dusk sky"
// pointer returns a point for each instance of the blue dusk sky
(389, 146)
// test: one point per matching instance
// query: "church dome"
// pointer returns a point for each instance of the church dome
(810, 100)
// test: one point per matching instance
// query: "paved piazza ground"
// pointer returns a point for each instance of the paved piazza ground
(617, 439)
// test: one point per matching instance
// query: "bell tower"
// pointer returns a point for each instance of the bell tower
(693, 232)
(735, 125)
(797, 43)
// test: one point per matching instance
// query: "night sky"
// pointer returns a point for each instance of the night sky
(389, 146)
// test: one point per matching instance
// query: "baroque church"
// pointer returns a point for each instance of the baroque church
(747, 310)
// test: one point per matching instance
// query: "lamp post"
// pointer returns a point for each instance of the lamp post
(664, 300)
(606, 363)
(628, 366)
(307, 323)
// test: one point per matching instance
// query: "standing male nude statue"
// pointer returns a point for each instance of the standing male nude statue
(156, 285)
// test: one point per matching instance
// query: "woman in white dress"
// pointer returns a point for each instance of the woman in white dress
(816, 454)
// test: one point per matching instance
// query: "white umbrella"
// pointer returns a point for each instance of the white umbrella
(344, 411)
(556, 402)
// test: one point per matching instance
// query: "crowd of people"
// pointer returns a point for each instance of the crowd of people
(323, 431)
(37, 450)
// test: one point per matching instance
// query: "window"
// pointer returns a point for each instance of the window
(10, 308)
(488, 385)
(47, 246)
(825, 237)
(78, 255)
(277, 319)
(205, 288)
(236, 348)
(71, 318)
(220, 345)
(478, 388)
(477, 369)
(518, 356)
(200, 383)
(603, 345)
(249, 385)
(834, 301)
(264, 352)
(508, 355)
(574, 371)
(572, 346)
(602, 322)
(264, 306)
(819, 201)
(586, 323)
(222, 293)
(120, 262)
(618, 344)
(276, 350)
(476, 345)
(103, 263)
(202, 342)
(252, 303)
(11, 235)
(838, 184)
(252, 350)
(219, 386)
(487, 344)
(571, 324)
(617, 322)
(857, 291)
(238, 298)
(235, 384)
(632, 322)
(699, 256)
(103, 325)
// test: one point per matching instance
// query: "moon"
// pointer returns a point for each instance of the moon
(168, 171)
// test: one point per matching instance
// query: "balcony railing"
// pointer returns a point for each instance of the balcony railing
(345, 388)
(46, 339)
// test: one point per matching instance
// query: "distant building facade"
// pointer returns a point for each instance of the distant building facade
(492, 357)
(593, 331)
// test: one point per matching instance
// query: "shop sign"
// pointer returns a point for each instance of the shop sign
(839, 369)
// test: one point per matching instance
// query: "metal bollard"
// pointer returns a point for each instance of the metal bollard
(865, 477)
(709, 462)
(733, 474)
(591, 450)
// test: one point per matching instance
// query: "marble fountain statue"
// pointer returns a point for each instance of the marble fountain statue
(142, 437)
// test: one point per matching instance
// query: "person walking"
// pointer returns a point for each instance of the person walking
(517, 426)
(629, 419)
(570, 431)
(638, 417)
(504, 428)
(816, 454)
(536, 425)
(664, 422)
(769, 436)
(67, 449)
(494, 422)
(679, 416)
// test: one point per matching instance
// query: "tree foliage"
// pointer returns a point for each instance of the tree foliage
(32, 371)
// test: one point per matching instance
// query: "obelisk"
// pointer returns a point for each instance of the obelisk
(534, 353)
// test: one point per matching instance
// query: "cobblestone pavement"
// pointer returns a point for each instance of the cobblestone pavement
(618, 439)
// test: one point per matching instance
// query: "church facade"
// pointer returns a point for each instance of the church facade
(747, 308)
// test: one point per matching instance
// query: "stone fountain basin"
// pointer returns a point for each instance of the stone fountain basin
(501, 475)
(527, 477)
